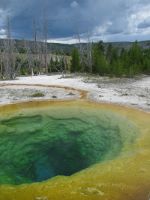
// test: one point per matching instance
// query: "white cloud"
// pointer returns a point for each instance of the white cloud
(138, 16)
(102, 29)
(2, 33)
(69, 40)
(74, 4)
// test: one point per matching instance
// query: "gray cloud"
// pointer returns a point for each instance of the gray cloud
(106, 20)
(145, 24)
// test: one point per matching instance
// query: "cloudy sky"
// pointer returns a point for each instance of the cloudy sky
(108, 20)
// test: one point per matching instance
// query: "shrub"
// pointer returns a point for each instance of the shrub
(38, 94)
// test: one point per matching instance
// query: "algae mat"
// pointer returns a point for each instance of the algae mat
(74, 150)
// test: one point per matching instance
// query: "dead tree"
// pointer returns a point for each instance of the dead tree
(34, 53)
(40, 48)
(89, 53)
(1, 64)
(45, 38)
(29, 56)
(81, 52)
(85, 51)
(34, 36)
(9, 55)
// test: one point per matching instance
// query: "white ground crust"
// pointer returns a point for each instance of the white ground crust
(130, 92)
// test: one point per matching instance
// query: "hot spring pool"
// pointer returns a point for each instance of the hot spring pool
(44, 141)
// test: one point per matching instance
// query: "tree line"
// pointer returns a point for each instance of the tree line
(97, 59)
(30, 59)
(90, 57)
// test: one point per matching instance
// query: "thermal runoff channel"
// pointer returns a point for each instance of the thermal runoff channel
(38, 144)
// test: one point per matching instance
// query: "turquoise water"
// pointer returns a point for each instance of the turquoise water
(36, 146)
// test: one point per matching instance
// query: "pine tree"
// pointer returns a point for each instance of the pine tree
(146, 61)
(99, 60)
(135, 59)
(75, 61)
(109, 52)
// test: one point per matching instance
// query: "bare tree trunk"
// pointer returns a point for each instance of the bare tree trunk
(34, 44)
(29, 57)
(81, 50)
(85, 54)
(45, 36)
(89, 54)
(34, 35)
(9, 55)
(1, 65)
(39, 56)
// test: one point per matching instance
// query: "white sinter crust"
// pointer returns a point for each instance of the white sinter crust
(131, 92)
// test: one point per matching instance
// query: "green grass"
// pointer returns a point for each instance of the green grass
(37, 94)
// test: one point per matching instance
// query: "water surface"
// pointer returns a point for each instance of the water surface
(82, 149)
